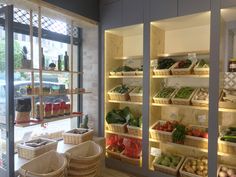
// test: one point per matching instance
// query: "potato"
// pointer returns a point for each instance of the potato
(225, 169)
(230, 172)
(223, 174)
(200, 167)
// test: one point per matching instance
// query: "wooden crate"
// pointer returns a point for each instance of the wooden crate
(182, 71)
(224, 104)
(129, 160)
(184, 173)
(180, 101)
(119, 128)
(163, 100)
(222, 165)
(28, 152)
(136, 97)
(198, 142)
(160, 135)
(112, 154)
(168, 170)
(72, 138)
(136, 131)
(226, 147)
(199, 102)
(118, 96)
(200, 71)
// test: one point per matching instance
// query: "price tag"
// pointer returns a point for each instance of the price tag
(155, 152)
(202, 118)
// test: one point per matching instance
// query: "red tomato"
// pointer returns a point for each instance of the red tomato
(196, 132)
(205, 135)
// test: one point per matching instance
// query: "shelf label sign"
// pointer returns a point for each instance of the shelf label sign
(202, 118)
(155, 152)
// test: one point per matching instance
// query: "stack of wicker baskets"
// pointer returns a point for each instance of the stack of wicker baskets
(84, 159)
(50, 164)
(160, 135)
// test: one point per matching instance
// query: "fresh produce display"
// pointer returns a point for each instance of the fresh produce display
(115, 143)
(140, 68)
(118, 116)
(166, 126)
(197, 132)
(203, 64)
(178, 135)
(133, 148)
(37, 143)
(165, 63)
(138, 90)
(184, 92)
(165, 92)
(168, 160)
(225, 171)
(229, 135)
(184, 64)
(135, 121)
(197, 166)
(123, 69)
(121, 89)
(229, 96)
(78, 131)
(202, 95)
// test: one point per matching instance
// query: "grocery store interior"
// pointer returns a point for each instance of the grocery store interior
(117, 88)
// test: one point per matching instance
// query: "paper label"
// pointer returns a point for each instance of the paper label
(202, 118)
(155, 152)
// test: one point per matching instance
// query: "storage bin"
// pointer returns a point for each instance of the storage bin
(226, 104)
(71, 137)
(200, 71)
(29, 152)
(119, 128)
(196, 102)
(118, 96)
(135, 131)
(221, 165)
(168, 170)
(136, 97)
(182, 71)
(163, 100)
(163, 72)
(129, 160)
(50, 164)
(83, 159)
(160, 135)
(180, 101)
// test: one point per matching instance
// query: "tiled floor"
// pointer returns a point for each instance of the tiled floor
(113, 173)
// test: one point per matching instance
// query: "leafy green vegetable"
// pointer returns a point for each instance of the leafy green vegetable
(121, 89)
(184, 92)
(135, 121)
(165, 63)
(179, 133)
(118, 116)
(203, 64)
(165, 92)
(124, 69)
(168, 160)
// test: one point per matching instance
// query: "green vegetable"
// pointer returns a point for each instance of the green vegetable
(168, 160)
(85, 122)
(184, 92)
(124, 69)
(178, 135)
(165, 92)
(135, 121)
(121, 89)
(165, 63)
(203, 64)
(118, 116)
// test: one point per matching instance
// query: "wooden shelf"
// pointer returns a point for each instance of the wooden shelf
(47, 120)
(181, 76)
(181, 106)
(118, 77)
(137, 57)
(47, 71)
(123, 134)
(181, 54)
(125, 102)
(227, 110)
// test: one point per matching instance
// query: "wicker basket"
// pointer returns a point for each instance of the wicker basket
(180, 101)
(129, 160)
(136, 131)
(118, 96)
(112, 73)
(112, 154)
(22, 117)
(72, 138)
(182, 71)
(50, 164)
(129, 73)
(184, 173)
(168, 170)
(163, 100)
(226, 104)
(226, 147)
(139, 73)
(28, 152)
(196, 102)
(200, 71)
(221, 165)
(198, 142)
(163, 72)
(136, 97)
(160, 135)
(119, 128)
